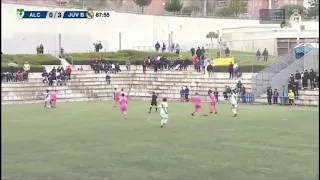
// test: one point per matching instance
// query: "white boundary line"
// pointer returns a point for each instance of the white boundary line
(244, 128)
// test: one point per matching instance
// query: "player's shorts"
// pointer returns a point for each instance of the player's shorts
(198, 106)
(291, 101)
(117, 99)
(124, 108)
(213, 103)
(47, 100)
(164, 116)
(234, 105)
(54, 100)
(153, 103)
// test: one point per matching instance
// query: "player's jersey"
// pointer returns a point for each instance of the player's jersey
(234, 99)
(46, 95)
(163, 108)
(154, 98)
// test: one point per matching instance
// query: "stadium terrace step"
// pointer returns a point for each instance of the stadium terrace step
(86, 86)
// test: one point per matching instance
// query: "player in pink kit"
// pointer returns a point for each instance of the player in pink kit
(213, 102)
(53, 99)
(123, 105)
(197, 103)
(116, 97)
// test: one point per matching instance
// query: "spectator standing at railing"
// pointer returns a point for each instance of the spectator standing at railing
(297, 76)
(193, 51)
(269, 95)
(265, 54)
(285, 95)
(230, 69)
(275, 96)
(173, 47)
(305, 79)
(312, 76)
(203, 51)
(177, 49)
(198, 53)
(164, 47)
(227, 52)
(157, 46)
(258, 55)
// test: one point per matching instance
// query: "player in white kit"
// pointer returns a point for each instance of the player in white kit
(164, 112)
(47, 99)
(234, 103)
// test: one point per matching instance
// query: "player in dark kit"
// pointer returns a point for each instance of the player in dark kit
(153, 102)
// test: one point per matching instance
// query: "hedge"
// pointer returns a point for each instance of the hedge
(243, 68)
(32, 59)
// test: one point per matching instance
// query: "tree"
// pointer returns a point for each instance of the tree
(142, 3)
(225, 12)
(173, 5)
(289, 8)
(212, 35)
(313, 10)
(238, 6)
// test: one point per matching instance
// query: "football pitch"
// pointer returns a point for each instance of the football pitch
(91, 141)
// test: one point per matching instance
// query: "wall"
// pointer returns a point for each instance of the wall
(23, 35)
(250, 39)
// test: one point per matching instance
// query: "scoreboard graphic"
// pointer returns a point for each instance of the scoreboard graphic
(89, 14)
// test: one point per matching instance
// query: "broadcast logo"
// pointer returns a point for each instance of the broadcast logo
(20, 13)
(90, 14)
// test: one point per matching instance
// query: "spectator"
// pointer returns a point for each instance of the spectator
(305, 79)
(275, 96)
(265, 54)
(198, 53)
(26, 67)
(157, 46)
(68, 72)
(210, 70)
(227, 52)
(164, 47)
(45, 76)
(285, 96)
(297, 76)
(108, 79)
(182, 96)
(186, 93)
(291, 98)
(227, 92)
(192, 50)
(128, 64)
(117, 68)
(19, 75)
(312, 76)
(230, 69)
(41, 48)
(97, 46)
(177, 49)
(203, 51)
(172, 47)
(242, 92)
(144, 65)
(258, 55)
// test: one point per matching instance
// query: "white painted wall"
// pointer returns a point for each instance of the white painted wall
(250, 39)
(79, 35)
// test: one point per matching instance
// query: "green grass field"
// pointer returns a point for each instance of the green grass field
(91, 140)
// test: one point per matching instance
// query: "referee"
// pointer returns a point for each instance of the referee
(153, 102)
